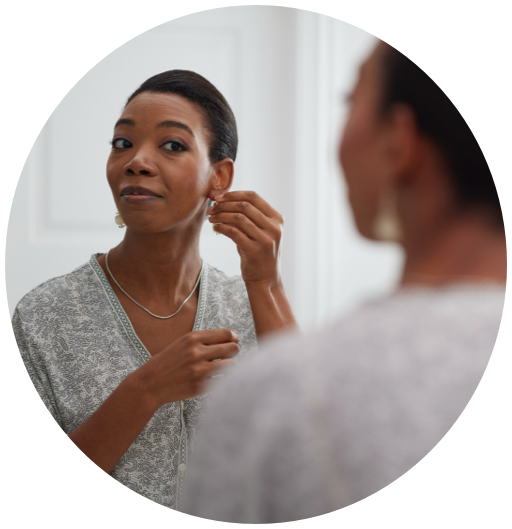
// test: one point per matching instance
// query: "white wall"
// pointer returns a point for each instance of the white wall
(284, 72)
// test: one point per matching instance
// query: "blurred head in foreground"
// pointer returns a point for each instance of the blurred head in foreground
(414, 170)
(323, 421)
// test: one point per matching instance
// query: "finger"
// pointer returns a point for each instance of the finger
(220, 351)
(220, 366)
(241, 239)
(213, 336)
(217, 377)
(251, 197)
(244, 208)
(239, 221)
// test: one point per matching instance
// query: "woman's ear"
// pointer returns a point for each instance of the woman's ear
(223, 172)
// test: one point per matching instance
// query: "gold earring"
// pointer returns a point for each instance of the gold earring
(119, 220)
(387, 225)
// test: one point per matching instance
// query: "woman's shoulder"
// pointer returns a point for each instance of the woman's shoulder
(227, 304)
(57, 290)
(221, 277)
(223, 284)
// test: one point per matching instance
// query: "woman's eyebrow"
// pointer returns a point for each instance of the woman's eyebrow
(176, 124)
(167, 124)
(124, 121)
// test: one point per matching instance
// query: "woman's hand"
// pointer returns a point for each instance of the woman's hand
(256, 228)
(183, 368)
(178, 372)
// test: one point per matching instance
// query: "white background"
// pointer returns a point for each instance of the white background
(286, 73)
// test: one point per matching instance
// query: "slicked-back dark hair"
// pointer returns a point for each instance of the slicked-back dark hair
(219, 118)
(437, 117)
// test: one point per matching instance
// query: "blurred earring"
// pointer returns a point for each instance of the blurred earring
(387, 225)
(119, 220)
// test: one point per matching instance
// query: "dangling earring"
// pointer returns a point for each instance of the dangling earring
(119, 220)
(208, 205)
(387, 225)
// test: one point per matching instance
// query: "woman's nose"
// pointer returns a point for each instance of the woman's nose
(140, 164)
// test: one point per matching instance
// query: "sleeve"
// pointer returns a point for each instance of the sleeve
(34, 363)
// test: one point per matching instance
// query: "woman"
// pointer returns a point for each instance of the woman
(341, 414)
(120, 348)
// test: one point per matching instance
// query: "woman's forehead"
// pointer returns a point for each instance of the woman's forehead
(370, 67)
(163, 106)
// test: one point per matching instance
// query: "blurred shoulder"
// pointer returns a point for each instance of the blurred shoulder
(456, 312)
(385, 382)
(414, 330)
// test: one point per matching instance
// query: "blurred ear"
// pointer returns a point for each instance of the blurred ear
(223, 172)
(402, 143)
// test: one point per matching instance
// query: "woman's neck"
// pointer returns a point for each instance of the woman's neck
(467, 248)
(161, 266)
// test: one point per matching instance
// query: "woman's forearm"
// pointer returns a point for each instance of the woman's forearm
(256, 228)
(113, 427)
(270, 307)
(177, 373)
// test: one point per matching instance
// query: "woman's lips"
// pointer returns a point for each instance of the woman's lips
(138, 195)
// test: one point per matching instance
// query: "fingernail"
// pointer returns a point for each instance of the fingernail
(219, 197)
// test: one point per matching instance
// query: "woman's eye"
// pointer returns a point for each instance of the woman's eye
(121, 143)
(174, 146)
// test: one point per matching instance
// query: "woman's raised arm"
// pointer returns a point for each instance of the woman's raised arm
(256, 228)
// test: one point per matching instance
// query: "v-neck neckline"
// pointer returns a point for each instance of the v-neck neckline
(123, 318)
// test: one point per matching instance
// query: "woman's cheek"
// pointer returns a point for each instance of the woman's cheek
(110, 169)
(350, 141)
(350, 153)
(356, 159)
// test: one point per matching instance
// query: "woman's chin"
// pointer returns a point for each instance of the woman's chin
(144, 226)
(151, 227)
(363, 225)
(144, 222)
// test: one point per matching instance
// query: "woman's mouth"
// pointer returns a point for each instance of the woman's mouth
(138, 195)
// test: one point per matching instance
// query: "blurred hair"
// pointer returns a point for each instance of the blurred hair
(438, 118)
(219, 118)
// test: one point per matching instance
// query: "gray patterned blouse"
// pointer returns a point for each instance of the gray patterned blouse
(78, 345)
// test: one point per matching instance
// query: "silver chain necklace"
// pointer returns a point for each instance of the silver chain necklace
(139, 305)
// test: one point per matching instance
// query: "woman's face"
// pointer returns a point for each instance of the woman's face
(362, 151)
(159, 170)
